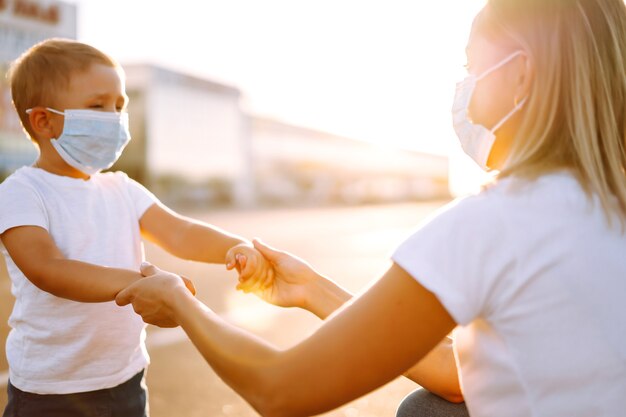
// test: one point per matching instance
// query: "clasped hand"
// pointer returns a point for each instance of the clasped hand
(275, 276)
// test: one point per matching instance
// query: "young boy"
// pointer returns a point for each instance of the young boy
(72, 240)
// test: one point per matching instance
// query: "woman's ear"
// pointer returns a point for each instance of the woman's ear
(41, 123)
(526, 76)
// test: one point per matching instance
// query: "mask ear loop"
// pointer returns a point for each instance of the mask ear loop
(500, 64)
(517, 107)
(29, 111)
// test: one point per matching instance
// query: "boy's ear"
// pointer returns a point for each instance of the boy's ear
(41, 123)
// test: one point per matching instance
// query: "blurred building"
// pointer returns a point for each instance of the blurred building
(293, 163)
(193, 143)
(190, 137)
(23, 23)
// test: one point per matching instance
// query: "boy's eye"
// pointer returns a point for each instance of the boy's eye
(95, 106)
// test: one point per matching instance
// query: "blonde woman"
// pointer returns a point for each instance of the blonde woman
(532, 269)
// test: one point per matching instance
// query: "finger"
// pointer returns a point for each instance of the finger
(147, 269)
(243, 261)
(257, 283)
(269, 279)
(268, 252)
(248, 267)
(256, 287)
(124, 297)
(245, 285)
(230, 260)
(235, 263)
(189, 285)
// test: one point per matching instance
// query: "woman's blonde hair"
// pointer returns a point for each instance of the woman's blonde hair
(45, 70)
(575, 116)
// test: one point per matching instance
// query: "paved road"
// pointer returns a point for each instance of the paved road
(350, 244)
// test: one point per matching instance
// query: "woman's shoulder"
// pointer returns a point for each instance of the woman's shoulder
(472, 207)
(506, 200)
(517, 192)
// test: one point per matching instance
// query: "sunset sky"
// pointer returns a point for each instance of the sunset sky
(382, 71)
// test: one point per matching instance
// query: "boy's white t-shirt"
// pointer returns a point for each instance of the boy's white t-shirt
(58, 346)
(536, 278)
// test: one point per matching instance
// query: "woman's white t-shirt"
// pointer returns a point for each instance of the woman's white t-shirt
(58, 346)
(536, 278)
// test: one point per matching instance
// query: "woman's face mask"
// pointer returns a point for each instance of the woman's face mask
(91, 140)
(476, 139)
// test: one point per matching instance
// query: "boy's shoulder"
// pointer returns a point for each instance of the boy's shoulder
(22, 178)
(34, 180)
(30, 182)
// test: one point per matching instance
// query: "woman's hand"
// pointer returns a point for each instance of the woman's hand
(152, 296)
(295, 284)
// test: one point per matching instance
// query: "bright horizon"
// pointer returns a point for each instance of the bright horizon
(382, 72)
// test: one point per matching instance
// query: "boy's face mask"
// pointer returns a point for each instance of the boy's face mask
(475, 139)
(91, 140)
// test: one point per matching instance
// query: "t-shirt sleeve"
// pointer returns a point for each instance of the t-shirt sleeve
(20, 205)
(457, 255)
(141, 197)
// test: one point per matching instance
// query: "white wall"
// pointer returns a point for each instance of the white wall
(193, 133)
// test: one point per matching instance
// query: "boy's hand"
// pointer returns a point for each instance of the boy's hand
(292, 279)
(254, 270)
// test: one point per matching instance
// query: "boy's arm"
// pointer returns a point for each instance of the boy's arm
(186, 238)
(40, 260)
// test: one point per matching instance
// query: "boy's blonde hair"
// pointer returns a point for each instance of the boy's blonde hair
(575, 115)
(45, 70)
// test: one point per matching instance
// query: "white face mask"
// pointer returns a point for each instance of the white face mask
(475, 139)
(91, 140)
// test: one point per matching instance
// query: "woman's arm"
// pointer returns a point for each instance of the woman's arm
(297, 284)
(389, 327)
(437, 372)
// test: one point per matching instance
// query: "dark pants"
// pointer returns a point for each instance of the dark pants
(422, 403)
(126, 400)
